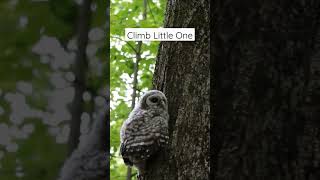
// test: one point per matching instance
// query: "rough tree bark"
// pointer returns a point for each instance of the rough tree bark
(182, 73)
(266, 90)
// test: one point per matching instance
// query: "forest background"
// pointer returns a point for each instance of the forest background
(132, 67)
(41, 48)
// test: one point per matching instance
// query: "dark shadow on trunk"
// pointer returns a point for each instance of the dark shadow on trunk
(266, 92)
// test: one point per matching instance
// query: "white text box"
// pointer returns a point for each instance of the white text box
(159, 34)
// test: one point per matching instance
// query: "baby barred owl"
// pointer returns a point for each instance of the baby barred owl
(145, 131)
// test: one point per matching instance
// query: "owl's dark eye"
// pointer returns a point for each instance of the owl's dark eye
(154, 99)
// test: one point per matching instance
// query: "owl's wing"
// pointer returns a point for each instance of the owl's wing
(140, 139)
(162, 131)
(126, 160)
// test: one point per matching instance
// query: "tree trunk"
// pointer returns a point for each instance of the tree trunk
(182, 73)
(266, 90)
(80, 71)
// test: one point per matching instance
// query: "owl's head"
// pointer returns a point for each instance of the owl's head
(154, 99)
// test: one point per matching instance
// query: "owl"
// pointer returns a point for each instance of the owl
(145, 132)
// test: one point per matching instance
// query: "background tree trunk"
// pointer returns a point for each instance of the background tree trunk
(182, 73)
(80, 71)
(266, 90)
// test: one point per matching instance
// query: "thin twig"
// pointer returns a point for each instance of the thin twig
(127, 42)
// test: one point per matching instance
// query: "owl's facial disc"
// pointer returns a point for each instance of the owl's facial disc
(153, 99)
(156, 101)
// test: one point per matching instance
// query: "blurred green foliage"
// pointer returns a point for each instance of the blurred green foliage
(129, 14)
(23, 23)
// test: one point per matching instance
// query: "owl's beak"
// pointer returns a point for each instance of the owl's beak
(163, 102)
